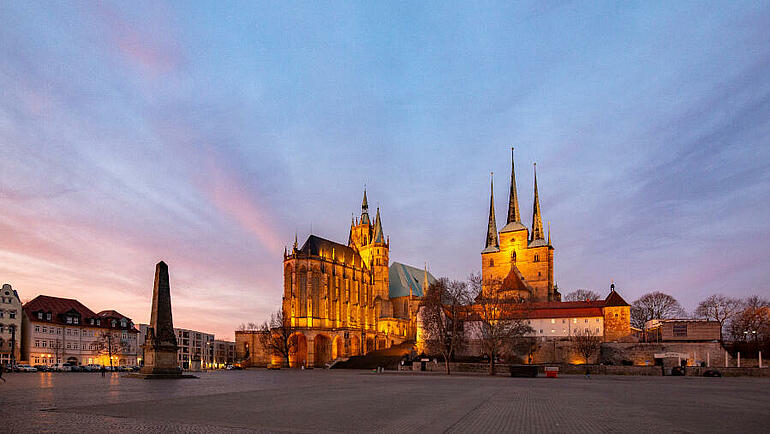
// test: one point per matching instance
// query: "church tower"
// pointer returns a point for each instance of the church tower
(517, 261)
(370, 242)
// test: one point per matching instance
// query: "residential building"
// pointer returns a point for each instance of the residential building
(10, 326)
(196, 348)
(224, 353)
(63, 330)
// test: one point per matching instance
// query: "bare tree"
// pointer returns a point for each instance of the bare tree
(654, 305)
(251, 326)
(581, 295)
(586, 343)
(276, 336)
(442, 312)
(500, 321)
(110, 343)
(752, 322)
(719, 308)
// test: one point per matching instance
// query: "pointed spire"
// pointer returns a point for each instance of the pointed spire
(378, 236)
(537, 219)
(493, 244)
(513, 199)
(514, 216)
(425, 280)
(549, 232)
(350, 234)
(295, 240)
(365, 210)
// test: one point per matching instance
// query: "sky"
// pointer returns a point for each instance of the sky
(207, 135)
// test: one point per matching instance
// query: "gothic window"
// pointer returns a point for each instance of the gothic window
(315, 291)
(287, 281)
(513, 256)
(491, 262)
(302, 292)
(536, 258)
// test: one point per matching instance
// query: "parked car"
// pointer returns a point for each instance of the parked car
(25, 368)
(712, 373)
(41, 368)
(93, 367)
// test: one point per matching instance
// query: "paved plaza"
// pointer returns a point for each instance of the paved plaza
(321, 400)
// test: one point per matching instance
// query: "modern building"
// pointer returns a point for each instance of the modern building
(10, 326)
(63, 330)
(349, 299)
(196, 348)
(224, 353)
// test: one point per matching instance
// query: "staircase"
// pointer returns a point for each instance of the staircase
(389, 358)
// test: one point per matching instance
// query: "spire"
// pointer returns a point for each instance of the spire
(424, 280)
(549, 233)
(295, 240)
(365, 210)
(493, 245)
(514, 216)
(537, 220)
(513, 199)
(350, 234)
(378, 236)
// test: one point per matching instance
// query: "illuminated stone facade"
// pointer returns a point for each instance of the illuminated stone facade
(348, 299)
(519, 262)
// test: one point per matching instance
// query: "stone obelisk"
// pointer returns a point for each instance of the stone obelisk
(160, 346)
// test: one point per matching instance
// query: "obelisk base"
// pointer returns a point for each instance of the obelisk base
(160, 363)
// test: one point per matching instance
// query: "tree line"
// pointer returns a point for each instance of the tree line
(740, 319)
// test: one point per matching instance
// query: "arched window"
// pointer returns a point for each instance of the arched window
(513, 256)
(491, 262)
(536, 258)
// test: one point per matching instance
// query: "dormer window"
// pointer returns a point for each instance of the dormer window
(92, 321)
(40, 315)
(48, 317)
(75, 320)
(114, 323)
(98, 322)
(69, 320)
(123, 323)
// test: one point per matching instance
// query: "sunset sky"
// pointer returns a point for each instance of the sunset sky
(206, 136)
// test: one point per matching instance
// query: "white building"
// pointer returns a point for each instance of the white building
(196, 349)
(63, 330)
(10, 326)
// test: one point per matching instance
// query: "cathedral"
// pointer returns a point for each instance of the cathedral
(349, 299)
(515, 261)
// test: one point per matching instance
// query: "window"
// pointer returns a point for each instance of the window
(37, 328)
(40, 315)
(98, 322)
(536, 258)
(92, 321)
(680, 330)
(69, 320)
(1, 313)
(42, 344)
(491, 262)
(586, 320)
(45, 329)
(513, 256)
(597, 330)
(574, 320)
(37, 343)
(113, 323)
(616, 315)
(12, 314)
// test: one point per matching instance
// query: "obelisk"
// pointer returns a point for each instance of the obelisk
(160, 347)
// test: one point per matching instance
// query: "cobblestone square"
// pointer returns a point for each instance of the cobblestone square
(344, 401)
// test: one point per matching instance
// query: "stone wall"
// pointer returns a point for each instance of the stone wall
(712, 353)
